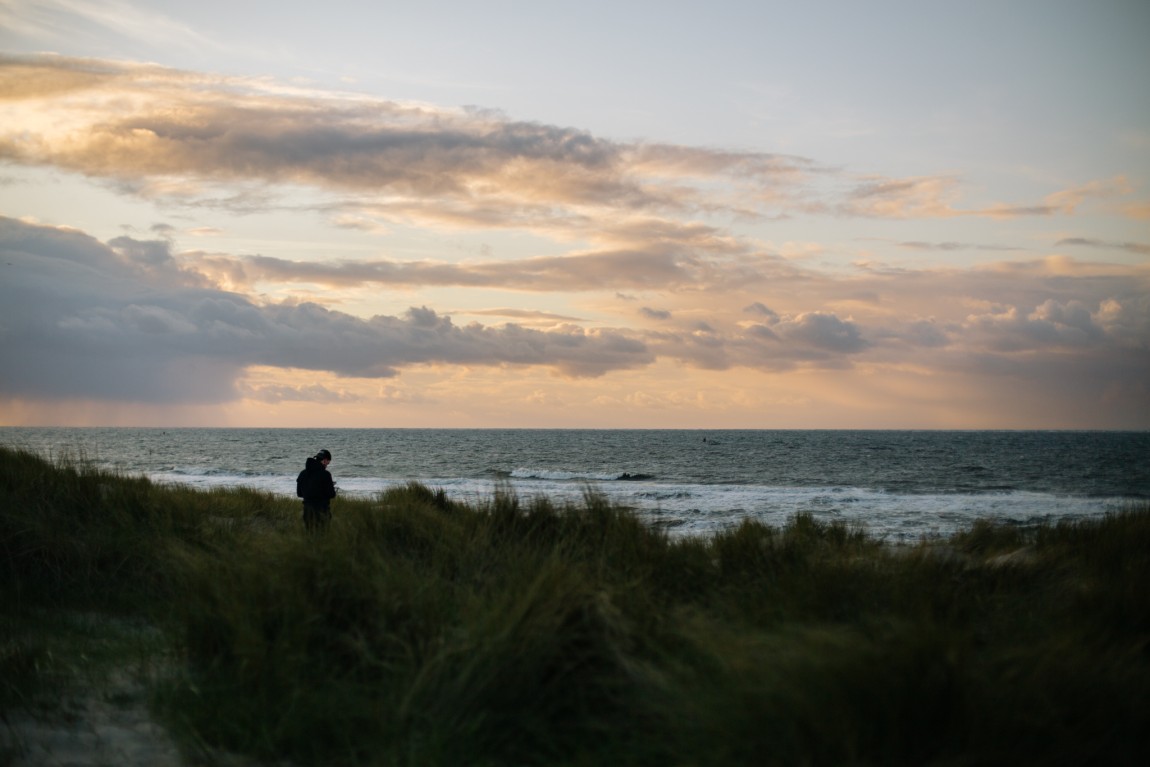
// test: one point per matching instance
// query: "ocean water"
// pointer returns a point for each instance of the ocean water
(899, 485)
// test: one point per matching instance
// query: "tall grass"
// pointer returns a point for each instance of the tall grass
(421, 631)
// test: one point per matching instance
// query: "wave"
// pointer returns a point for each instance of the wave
(702, 509)
(664, 495)
(225, 475)
(554, 475)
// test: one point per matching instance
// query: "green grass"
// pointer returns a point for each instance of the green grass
(421, 631)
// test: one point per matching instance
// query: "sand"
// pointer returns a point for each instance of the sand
(106, 726)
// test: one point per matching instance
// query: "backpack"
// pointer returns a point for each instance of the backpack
(302, 484)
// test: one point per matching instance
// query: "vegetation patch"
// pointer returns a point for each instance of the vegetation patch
(417, 630)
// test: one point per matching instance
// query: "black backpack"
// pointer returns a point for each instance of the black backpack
(303, 484)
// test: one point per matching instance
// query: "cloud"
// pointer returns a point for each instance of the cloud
(275, 394)
(171, 124)
(121, 321)
(637, 255)
(926, 333)
(129, 321)
(242, 144)
(203, 231)
(919, 197)
(760, 309)
(1136, 210)
(522, 314)
(937, 196)
(823, 331)
(1065, 201)
(1131, 247)
(1051, 325)
(948, 247)
(57, 20)
(681, 235)
(655, 267)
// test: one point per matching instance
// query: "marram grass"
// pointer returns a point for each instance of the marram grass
(421, 631)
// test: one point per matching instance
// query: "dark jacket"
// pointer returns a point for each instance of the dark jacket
(315, 485)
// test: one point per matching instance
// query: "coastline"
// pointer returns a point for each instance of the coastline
(900, 485)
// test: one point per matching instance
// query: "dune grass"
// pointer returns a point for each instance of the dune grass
(421, 631)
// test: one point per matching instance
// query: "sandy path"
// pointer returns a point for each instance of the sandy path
(110, 726)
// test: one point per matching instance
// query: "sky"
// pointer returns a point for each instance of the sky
(826, 215)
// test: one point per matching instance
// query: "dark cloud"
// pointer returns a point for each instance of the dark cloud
(928, 333)
(1049, 326)
(1012, 211)
(658, 266)
(758, 331)
(152, 260)
(813, 339)
(824, 332)
(761, 310)
(128, 321)
(943, 246)
(1131, 247)
(79, 318)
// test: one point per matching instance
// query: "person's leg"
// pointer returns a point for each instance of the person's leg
(315, 517)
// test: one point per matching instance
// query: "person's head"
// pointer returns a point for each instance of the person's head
(324, 457)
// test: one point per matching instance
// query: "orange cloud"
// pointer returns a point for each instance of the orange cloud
(184, 136)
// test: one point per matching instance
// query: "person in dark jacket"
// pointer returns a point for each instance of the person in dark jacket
(315, 485)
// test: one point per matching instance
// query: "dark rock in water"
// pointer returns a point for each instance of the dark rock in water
(628, 477)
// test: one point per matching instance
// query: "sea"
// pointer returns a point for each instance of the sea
(900, 486)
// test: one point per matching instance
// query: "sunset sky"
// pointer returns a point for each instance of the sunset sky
(575, 214)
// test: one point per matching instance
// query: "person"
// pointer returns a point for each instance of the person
(315, 485)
